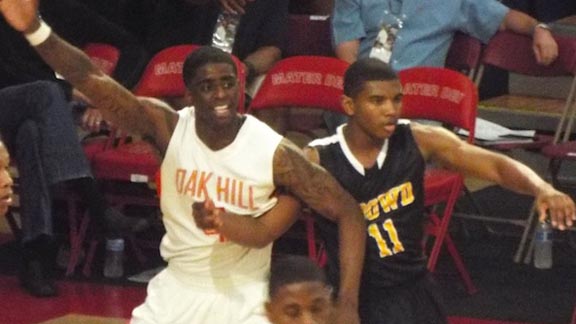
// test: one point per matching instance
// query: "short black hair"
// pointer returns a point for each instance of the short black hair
(294, 269)
(363, 70)
(202, 56)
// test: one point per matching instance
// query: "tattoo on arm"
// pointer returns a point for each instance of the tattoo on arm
(146, 117)
(309, 182)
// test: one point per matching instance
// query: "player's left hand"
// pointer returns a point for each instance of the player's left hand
(206, 216)
(559, 206)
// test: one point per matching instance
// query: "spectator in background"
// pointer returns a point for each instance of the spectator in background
(37, 126)
(251, 30)
(20, 64)
(298, 292)
(6, 181)
(82, 25)
(423, 31)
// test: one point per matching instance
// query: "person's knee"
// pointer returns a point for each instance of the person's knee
(47, 92)
(27, 132)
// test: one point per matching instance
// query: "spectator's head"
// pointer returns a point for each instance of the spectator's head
(298, 293)
(372, 98)
(5, 180)
(212, 86)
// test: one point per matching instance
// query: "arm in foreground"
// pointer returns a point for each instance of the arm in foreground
(321, 192)
(447, 149)
(256, 232)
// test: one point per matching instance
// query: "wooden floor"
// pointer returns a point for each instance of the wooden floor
(78, 302)
(89, 303)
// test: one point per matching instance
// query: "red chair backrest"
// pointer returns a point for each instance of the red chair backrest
(439, 94)
(464, 54)
(162, 76)
(303, 81)
(103, 56)
(513, 52)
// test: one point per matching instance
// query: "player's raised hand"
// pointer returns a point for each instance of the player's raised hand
(22, 15)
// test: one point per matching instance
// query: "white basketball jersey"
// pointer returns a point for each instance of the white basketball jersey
(237, 178)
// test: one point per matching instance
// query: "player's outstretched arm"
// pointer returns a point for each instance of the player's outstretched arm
(450, 151)
(321, 192)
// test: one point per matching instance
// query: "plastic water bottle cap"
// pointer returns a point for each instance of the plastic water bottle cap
(115, 245)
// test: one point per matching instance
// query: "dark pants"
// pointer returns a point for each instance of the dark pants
(414, 302)
(37, 126)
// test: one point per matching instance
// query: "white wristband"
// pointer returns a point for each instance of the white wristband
(40, 35)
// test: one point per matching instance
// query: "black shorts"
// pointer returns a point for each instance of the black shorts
(416, 302)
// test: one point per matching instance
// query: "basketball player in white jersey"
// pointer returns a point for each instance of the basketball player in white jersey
(217, 273)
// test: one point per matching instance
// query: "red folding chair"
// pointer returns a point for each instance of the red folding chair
(135, 161)
(303, 82)
(450, 98)
(105, 57)
(513, 52)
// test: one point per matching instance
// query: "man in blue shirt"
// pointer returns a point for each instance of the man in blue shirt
(423, 30)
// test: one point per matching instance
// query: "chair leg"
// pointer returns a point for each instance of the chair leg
(137, 250)
(77, 233)
(87, 269)
(14, 227)
(310, 237)
(437, 246)
(523, 240)
(442, 225)
(464, 274)
(530, 251)
(554, 168)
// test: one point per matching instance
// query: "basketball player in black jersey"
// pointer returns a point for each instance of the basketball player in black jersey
(375, 157)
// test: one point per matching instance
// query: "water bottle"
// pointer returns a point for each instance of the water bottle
(114, 263)
(543, 246)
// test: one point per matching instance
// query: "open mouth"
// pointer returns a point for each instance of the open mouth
(222, 111)
(7, 199)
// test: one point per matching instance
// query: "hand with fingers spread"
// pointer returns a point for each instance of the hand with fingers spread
(92, 120)
(558, 206)
(206, 216)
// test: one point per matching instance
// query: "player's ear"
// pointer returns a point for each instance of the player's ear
(348, 105)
